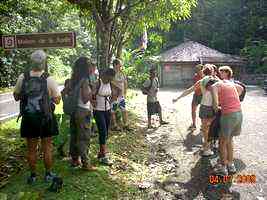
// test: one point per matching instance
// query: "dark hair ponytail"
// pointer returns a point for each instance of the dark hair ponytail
(80, 69)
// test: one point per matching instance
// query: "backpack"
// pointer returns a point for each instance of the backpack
(242, 95)
(145, 90)
(34, 96)
(70, 97)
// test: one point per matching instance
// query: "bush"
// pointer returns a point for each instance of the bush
(256, 52)
(12, 64)
(136, 68)
(135, 78)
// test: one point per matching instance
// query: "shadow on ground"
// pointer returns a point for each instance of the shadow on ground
(200, 186)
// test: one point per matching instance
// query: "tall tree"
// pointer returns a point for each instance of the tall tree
(116, 19)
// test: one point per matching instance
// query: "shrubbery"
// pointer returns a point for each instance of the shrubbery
(136, 69)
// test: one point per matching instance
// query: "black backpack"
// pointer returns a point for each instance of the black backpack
(242, 96)
(34, 96)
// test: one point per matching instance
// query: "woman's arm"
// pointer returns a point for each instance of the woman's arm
(239, 89)
(86, 92)
(215, 98)
(185, 93)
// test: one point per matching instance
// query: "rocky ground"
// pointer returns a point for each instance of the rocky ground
(177, 170)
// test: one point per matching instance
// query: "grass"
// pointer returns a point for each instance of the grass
(6, 90)
(127, 149)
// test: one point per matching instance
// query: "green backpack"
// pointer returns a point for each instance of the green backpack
(70, 98)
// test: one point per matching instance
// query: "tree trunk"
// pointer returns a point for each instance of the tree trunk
(103, 49)
(119, 49)
(97, 48)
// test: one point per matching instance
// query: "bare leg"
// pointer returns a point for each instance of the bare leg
(193, 113)
(230, 150)
(47, 151)
(125, 117)
(113, 119)
(149, 121)
(32, 153)
(223, 150)
(205, 124)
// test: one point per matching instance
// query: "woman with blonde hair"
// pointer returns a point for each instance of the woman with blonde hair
(226, 98)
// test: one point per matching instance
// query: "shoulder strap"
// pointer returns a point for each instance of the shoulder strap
(45, 75)
(26, 75)
(157, 81)
(98, 85)
(151, 83)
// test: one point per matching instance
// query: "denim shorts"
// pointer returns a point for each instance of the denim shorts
(121, 104)
(206, 112)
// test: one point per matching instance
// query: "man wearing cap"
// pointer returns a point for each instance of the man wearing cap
(35, 123)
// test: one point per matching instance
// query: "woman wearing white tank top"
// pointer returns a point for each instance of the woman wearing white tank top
(103, 93)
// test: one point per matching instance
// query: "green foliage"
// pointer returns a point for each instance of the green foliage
(43, 16)
(230, 26)
(128, 150)
(135, 78)
(136, 68)
(256, 52)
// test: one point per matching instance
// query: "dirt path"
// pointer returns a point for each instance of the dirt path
(176, 167)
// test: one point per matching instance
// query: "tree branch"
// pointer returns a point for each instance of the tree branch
(125, 10)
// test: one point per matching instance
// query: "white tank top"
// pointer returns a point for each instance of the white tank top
(87, 105)
(206, 98)
(102, 97)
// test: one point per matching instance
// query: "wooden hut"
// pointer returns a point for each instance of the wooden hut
(176, 65)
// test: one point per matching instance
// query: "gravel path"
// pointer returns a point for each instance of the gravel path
(178, 171)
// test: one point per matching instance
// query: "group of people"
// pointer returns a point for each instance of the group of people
(97, 97)
(216, 91)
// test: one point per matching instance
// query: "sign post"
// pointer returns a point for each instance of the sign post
(39, 40)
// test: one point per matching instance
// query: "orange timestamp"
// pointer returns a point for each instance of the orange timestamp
(240, 179)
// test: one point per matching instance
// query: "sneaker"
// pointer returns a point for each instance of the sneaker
(31, 179)
(57, 184)
(231, 168)
(208, 152)
(49, 176)
(88, 167)
(164, 123)
(105, 160)
(192, 127)
(221, 170)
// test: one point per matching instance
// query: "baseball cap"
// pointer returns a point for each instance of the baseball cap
(38, 56)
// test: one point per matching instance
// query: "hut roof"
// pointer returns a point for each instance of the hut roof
(195, 52)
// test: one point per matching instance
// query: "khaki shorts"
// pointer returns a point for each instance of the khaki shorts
(231, 124)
